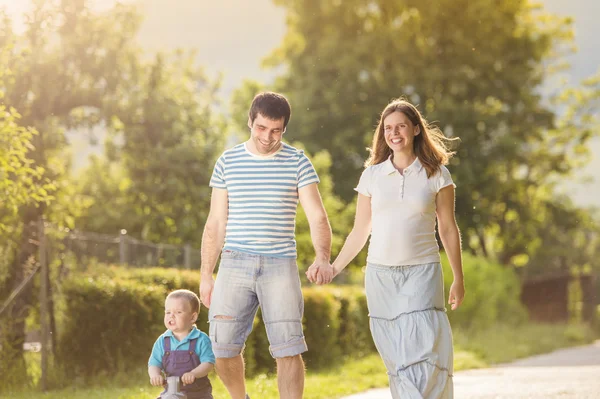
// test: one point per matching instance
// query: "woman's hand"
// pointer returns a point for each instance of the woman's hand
(457, 294)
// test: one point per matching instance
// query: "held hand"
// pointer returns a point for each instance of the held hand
(207, 283)
(157, 380)
(188, 378)
(325, 274)
(311, 273)
(457, 294)
(320, 273)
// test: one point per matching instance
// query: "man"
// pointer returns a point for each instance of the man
(256, 188)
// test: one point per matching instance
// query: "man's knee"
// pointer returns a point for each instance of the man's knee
(289, 361)
(229, 366)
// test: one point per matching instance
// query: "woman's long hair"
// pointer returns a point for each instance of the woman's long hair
(430, 146)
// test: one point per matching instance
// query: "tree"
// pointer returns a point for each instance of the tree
(164, 140)
(477, 67)
(60, 72)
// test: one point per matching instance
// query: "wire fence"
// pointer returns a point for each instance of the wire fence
(57, 250)
(86, 248)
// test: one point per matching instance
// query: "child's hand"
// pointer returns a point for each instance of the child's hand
(157, 380)
(188, 378)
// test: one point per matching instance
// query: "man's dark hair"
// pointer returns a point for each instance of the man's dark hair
(270, 105)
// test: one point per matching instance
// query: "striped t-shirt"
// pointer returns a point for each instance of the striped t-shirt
(263, 197)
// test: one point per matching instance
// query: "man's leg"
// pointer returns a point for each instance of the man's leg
(231, 372)
(280, 297)
(290, 377)
(231, 314)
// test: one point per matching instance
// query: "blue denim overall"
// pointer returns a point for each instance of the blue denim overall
(179, 362)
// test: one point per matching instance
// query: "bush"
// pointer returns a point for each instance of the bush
(492, 295)
(354, 335)
(321, 324)
(113, 315)
(111, 324)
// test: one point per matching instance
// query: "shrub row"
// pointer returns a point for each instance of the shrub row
(112, 316)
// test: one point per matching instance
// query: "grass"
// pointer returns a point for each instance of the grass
(503, 343)
(472, 350)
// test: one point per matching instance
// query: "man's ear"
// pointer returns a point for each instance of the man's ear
(194, 316)
(249, 123)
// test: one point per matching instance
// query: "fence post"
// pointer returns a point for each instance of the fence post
(43, 303)
(187, 256)
(123, 247)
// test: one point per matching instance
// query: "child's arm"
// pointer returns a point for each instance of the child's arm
(155, 363)
(201, 371)
(155, 375)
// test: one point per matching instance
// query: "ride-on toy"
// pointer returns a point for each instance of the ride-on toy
(173, 390)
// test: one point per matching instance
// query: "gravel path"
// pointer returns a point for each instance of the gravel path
(572, 373)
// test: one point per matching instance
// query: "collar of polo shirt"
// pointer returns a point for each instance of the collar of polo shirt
(389, 168)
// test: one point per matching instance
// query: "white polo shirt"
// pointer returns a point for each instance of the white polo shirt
(402, 213)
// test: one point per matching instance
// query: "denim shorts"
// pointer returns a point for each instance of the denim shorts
(245, 282)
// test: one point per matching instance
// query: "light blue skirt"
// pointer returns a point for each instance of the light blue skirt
(411, 330)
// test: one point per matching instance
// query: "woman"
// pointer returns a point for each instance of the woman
(403, 190)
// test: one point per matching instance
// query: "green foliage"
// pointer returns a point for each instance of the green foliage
(475, 69)
(113, 317)
(240, 102)
(164, 140)
(58, 75)
(321, 324)
(354, 339)
(112, 325)
(500, 343)
(341, 216)
(119, 311)
(492, 295)
(20, 182)
(117, 314)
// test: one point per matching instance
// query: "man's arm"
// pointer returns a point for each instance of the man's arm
(212, 242)
(320, 271)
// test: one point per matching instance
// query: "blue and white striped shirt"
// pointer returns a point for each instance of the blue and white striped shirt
(263, 198)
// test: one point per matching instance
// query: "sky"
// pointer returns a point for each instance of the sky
(237, 34)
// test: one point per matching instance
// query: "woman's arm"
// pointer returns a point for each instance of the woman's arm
(450, 236)
(357, 238)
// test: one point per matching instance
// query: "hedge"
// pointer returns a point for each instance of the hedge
(112, 316)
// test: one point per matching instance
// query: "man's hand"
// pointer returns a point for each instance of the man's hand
(456, 294)
(157, 380)
(188, 378)
(320, 273)
(207, 283)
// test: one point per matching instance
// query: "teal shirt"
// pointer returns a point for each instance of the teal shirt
(203, 347)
